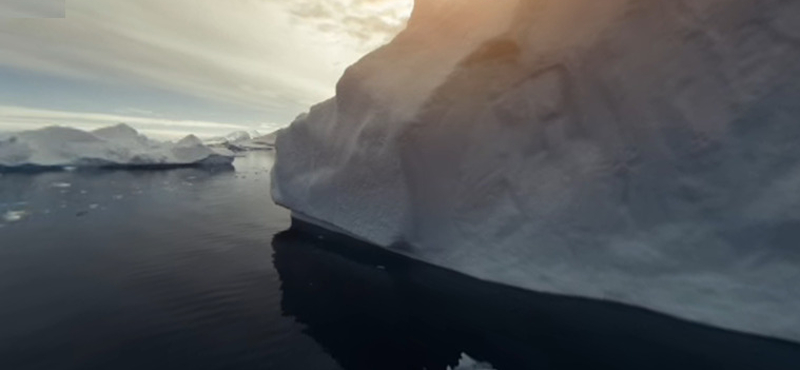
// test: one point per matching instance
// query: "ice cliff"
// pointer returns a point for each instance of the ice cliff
(639, 151)
(114, 146)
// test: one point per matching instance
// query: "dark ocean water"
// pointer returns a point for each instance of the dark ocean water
(198, 269)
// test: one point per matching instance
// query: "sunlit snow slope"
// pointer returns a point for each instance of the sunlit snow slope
(640, 151)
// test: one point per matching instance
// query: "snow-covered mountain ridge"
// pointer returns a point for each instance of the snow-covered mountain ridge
(113, 146)
(644, 152)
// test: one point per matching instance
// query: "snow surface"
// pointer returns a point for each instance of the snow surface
(115, 146)
(644, 152)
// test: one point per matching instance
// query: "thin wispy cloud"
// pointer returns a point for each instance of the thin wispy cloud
(268, 55)
(13, 118)
(32, 8)
(366, 23)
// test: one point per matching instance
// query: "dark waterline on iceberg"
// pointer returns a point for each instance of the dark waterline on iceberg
(194, 268)
(448, 313)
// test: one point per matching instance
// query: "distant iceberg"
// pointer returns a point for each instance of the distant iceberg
(643, 152)
(114, 146)
(244, 141)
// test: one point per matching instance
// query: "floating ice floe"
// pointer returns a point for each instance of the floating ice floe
(15, 216)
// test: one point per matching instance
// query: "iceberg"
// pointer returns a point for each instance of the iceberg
(468, 363)
(115, 146)
(244, 141)
(646, 153)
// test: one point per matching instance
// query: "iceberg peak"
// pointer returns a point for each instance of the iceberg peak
(120, 132)
(189, 140)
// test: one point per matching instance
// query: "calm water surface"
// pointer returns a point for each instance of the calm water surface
(198, 269)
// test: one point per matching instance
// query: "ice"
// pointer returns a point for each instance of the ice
(62, 185)
(15, 216)
(114, 146)
(468, 363)
(646, 153)
(124, 135)
(243, 141)
(238, 136)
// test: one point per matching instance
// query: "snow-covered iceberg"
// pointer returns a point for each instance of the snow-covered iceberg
(244, 141)
(114, 146)
(644, 152)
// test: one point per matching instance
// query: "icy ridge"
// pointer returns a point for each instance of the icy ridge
(114, 146)
(643, 152)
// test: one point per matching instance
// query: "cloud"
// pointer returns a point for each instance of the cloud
(31, 8)
(268, 55)
(14, 118)
(367, 23)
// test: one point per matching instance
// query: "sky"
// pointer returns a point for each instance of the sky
(168, 68)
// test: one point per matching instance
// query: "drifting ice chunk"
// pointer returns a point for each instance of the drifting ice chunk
(641, 152)
(468, 363)
(14, 216)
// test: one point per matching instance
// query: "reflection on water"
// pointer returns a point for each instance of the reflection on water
(121, 270)
(372, 310)
(48, 195)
